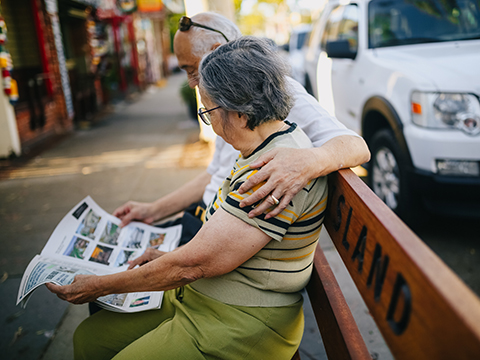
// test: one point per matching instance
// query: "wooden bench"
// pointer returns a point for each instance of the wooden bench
(423, 310)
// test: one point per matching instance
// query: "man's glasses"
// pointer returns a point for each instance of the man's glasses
(204, 114)
(186, 23)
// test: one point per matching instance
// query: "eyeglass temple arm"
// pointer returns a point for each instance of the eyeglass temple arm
(211, 29)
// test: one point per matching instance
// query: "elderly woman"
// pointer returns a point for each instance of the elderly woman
(233, 292)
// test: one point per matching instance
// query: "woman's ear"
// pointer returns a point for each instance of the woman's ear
(244, 119)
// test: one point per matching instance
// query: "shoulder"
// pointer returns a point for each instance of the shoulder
(304, 102)
(293, 137)
(296, 138)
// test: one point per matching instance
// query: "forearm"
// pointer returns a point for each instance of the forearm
(165, 273)
(338, 153)
(198, 259)
(181, 198)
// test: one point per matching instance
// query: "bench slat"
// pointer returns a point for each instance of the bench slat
(422, 308)
(340, 334)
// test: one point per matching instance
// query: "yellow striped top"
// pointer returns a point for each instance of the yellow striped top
(278, 272)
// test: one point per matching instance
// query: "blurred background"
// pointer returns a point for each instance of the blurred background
(65, 61)
(93, 103)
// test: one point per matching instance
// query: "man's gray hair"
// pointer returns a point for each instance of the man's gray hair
(202, 40)
(248, 76)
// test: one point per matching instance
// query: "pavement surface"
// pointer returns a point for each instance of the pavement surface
(141, 150)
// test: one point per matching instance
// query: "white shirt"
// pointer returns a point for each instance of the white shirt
(314, 120)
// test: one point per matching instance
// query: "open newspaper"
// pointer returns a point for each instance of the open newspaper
(88, 240)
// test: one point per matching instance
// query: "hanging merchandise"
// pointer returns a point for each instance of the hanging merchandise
(127, 6)
(9, 85)
(52, 11)
(4, 59)
(149, 6)
(3, 32)
(97, 40)
(13, 91)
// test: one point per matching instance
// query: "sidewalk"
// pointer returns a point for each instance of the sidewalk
(141, 151)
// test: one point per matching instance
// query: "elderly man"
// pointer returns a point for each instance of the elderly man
(283, 172)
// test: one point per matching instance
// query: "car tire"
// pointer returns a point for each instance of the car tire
(388, 176)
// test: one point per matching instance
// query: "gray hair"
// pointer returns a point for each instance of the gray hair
(248, 76)
(202, 40)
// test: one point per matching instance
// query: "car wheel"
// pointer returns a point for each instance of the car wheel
(388, 176)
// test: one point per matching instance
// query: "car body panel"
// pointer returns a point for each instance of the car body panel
(346, 87)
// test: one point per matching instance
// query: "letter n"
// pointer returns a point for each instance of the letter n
(379, 270)
(400, 287)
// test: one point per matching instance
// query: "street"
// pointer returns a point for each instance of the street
(457, 243)
(141, 150)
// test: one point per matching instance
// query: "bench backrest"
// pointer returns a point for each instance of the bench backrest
(422, 309)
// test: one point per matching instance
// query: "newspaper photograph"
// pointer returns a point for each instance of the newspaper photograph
(88, 240)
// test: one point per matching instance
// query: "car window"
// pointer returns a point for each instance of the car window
(332, 25)
(348, 29)
(301, 39)
(401, 22)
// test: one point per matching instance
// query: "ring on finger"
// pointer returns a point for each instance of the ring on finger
(275, 200)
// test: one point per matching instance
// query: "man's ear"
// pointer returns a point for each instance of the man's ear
(214, 46)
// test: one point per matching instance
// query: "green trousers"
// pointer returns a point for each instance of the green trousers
(192, 326)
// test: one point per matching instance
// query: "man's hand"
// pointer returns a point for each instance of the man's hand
(286, 172)
(80, 291)
(133, 210)
(289, 170)
(149, 255)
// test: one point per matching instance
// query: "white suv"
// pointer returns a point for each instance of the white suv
(405, 74)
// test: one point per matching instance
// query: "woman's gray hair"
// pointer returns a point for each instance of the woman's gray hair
(202, 40)
(248, 76)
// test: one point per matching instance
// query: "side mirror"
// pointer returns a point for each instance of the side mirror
(340, 49)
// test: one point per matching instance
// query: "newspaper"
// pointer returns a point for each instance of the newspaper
(88, 240)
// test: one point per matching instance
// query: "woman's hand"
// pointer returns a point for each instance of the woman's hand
(133, 210)
(149, 255)
(83, 289)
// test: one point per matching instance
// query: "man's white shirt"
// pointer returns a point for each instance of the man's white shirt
(314, 120)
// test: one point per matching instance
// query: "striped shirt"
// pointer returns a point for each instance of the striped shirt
(278, 272)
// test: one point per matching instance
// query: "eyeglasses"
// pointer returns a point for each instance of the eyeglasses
(186, 23)
(204, 114)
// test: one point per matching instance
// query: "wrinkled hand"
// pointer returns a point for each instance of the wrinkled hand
(80, 291)
(149, 255)
(133, 210)
(286, 172)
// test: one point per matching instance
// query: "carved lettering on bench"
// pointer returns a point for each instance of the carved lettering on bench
(338, 220)
(345, 243)
(400, 304)
(359, 252)
(379, 270)
(340, 203)
(400, 287)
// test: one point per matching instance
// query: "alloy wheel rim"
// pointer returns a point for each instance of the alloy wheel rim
(386, 177)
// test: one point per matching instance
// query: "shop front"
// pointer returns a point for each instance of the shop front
(74, 19)
(40, 109)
